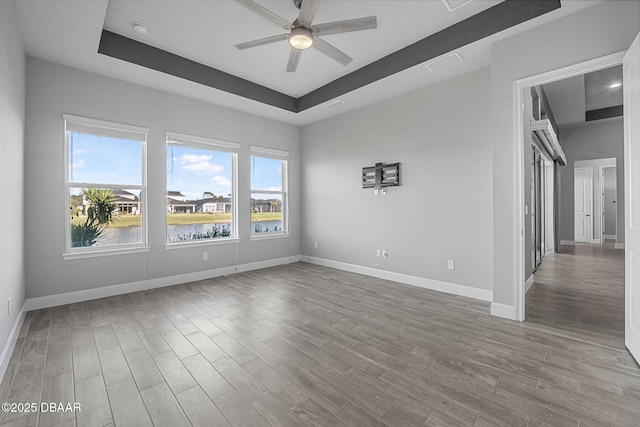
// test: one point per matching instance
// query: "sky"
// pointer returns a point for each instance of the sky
(191, 171)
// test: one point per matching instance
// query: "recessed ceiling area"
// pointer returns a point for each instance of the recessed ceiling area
(599, 92)
(206, 32)
(571, 99)
(69, 32)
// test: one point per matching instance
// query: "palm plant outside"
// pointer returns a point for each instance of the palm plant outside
(101, 211)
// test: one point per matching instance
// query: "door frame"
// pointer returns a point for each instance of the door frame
(595, 64)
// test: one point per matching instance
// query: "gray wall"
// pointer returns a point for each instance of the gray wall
(595, 140)
(441, 135)
(600, 30)
(12, 122)
(53, 90)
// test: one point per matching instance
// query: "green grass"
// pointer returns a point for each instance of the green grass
(197, 218)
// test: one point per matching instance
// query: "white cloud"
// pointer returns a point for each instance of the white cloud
(76, 152)
(77, 165)
(199, 163)
(274, 188)
(221, 181)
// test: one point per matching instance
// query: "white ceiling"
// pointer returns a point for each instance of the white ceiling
(68, 32)
(566, 99)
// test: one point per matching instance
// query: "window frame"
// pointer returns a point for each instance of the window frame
(271, 153)
(203, 143)
(73, 123)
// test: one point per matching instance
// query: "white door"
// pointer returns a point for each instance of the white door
(583, 196)
(631, 70)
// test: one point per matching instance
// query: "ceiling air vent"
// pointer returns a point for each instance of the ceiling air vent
(452, 5)
(333, 103)
(443, 60)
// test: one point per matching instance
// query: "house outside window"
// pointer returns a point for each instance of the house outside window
(105, 187)
(201, 189)
(269, 203)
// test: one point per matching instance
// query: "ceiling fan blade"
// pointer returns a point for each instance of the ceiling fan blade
(332, 51)
(348, 25)
(265, 13)
(307, 12)
(260, 42)
(294, 59)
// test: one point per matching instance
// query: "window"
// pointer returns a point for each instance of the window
(268, 192)
(105, 186)
(201, 182)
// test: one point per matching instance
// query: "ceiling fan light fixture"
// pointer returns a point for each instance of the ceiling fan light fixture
(300, 38)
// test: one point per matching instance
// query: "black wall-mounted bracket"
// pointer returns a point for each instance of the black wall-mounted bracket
(381, 175)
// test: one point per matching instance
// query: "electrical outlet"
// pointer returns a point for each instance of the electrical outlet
(315, 244)
(205, 256)
(377, 252)
(384, 253)
(451, 264)
(8, 306)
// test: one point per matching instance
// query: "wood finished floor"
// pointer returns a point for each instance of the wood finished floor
(306, 345)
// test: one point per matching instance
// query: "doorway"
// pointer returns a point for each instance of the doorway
(582, 205)
(522, 88)
(542, 205)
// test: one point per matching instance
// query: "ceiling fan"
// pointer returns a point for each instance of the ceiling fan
(303, 35)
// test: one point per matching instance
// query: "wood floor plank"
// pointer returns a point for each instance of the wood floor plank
(233, 348)
(244, 383)
(85, 362)
(114, 366)
(154, 342)
(129, 339)
(162, 407)
(91, 393)
(144, 370)
(179, 344)
(275, 412)
(175, 374)
(127, 406)
(207, 376)
(57, 390)
(237, 411)
(354, 416)
(287, 391)
(313, 414)
(199, 408)
(210, 350)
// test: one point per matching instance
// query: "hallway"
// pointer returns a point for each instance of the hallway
(581, 290)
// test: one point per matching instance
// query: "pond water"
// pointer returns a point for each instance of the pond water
(129, 235)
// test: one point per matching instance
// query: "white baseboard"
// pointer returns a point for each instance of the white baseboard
(619, 245)
(567, 242)
(528, 284)
(109, 291)
(436, 285)
(596, 241)
(609, 236)
(10, 345)
(503, 310)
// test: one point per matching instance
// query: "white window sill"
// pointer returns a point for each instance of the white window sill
(200, 242)
(266, 236)
(104, 252)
